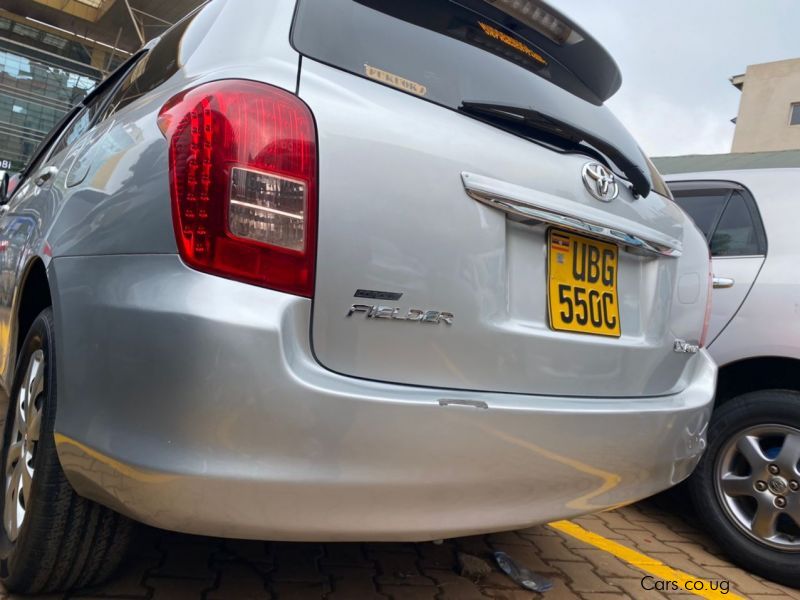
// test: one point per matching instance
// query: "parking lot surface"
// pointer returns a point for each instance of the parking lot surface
(630, 553)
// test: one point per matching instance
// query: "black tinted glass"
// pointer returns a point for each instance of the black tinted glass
(155, 68)
(705, 207)
(736, 233)
(81, 123)
(795, 117)
(436, 49)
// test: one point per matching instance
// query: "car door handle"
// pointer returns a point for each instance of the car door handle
(722, 283)
(45, 175)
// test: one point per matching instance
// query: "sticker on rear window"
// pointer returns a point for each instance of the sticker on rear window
(510, 41)
(393, 80)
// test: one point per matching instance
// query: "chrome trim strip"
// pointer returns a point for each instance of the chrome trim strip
(488, 191)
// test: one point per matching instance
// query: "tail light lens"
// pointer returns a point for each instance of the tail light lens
(243, 178)
(707, 318)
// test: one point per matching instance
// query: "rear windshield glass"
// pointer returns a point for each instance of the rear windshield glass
(435, 49)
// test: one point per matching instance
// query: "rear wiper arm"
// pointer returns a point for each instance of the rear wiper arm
(578, 139)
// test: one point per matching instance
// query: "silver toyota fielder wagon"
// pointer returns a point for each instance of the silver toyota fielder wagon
(343, 270)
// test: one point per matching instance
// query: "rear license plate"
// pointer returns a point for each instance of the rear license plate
(582, 286)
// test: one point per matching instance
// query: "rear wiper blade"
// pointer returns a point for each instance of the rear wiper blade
(576, 138)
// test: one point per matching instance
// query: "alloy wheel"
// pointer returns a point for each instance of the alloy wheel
(757, 475)
(23, 443)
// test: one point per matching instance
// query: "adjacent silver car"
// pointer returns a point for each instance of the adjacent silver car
(343, 270)
(747, 487)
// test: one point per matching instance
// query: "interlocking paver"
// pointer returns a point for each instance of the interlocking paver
(528, 556)
(583, 577)
(167, 566)
(511, 538)
(744, 583)
(646, 542)
(300, 590)
(396, 568)
(606, 565)
(698, 554)
(437, 556)
(634, 589)
(240, 581)
(297, 563)
(411, 592)
(128, 582)
(515, 594)
(554, 548)
(661, 531)
(616, 520)
(260, 553)
(346, 555)
(186, 558)
(454, 587)
(560, 591)
(353, 582)
(166, 588)
(683, 562)
(599, 527)
(476, 545)
(783, 590)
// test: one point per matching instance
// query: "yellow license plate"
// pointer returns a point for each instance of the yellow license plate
(582, 285)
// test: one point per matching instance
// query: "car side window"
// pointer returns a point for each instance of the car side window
(727, 215)
(79, 125)
(157, 66)
(89, 115)
(703, 206)
(736, 234)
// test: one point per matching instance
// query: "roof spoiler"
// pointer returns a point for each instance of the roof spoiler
(560, 37)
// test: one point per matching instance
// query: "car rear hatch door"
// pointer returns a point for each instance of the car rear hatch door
(468, 237)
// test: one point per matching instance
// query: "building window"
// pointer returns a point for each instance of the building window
(794, 119)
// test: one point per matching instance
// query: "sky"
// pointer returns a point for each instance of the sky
(676, 58)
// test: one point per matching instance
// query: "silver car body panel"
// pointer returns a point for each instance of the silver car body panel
(758, 316)
(423, 236)
(194, 403)
(122, 205)
(197, 403)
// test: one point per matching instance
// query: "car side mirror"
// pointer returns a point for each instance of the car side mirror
(8, 184)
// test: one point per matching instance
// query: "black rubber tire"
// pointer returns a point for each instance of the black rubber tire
(65, 542)
(756, 408)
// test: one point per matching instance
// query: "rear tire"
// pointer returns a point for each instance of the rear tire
(745, 476)
(53, 540)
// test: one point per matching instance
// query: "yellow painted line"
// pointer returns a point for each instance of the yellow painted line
(609, 480)
(654, 567)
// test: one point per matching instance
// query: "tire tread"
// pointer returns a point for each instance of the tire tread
(67, 542)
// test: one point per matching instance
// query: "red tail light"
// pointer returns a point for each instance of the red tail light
(243, 175)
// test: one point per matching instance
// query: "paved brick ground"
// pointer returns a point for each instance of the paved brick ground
(166, 566)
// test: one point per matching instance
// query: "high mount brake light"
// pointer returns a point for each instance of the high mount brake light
(539, 18)
(243, 181)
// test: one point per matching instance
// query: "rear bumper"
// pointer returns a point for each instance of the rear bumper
(193, 403)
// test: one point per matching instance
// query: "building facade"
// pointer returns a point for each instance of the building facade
(769, 111)
(54, 52)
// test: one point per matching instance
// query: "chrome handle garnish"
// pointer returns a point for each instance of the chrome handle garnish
(521, 203)
(722, 283)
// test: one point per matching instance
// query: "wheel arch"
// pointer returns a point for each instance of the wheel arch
(33, 296)
(757, 373)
